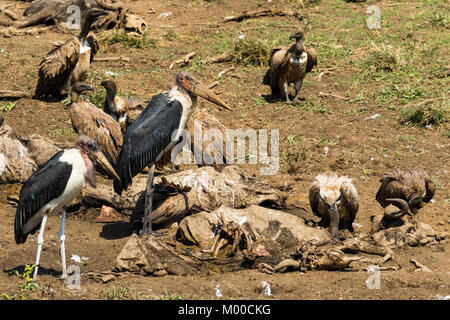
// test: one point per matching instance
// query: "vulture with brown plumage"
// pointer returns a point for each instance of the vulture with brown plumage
(289, 65)
(123, 110)
(90, 120)
(68, 62)
(335, 199)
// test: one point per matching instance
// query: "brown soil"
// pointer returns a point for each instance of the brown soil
(148, 73)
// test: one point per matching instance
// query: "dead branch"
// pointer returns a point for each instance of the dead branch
(224, 57)
(324, 71)
(263, 13)
(9, 13)
(213, 84)
(426, 101)
(221, 73)
(6, 94)
(185, 59)
(332, 95)
(108, 59)
(420, 266)
(11, 31)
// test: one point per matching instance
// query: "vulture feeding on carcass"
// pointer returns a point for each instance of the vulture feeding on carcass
(335, 199)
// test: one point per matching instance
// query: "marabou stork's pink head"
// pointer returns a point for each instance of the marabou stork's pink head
(89, 149)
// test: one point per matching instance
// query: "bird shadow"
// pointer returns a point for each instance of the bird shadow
(270, 98)
(58, 98)
(118, 230)
(41, 271)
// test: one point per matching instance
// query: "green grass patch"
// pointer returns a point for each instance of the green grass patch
(436, 114)
(7, 106)
(125, 39)
(251, 52)
(382, 59)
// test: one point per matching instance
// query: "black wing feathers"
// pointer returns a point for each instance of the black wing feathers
(44, 185)
(146, 138)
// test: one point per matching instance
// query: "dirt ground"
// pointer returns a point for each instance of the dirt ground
(321, 134)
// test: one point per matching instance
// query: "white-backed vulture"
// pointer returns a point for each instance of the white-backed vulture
(335, 199)
(68, 62)
(90, 120)
(407, 190)
(123, 110)
(289, 65)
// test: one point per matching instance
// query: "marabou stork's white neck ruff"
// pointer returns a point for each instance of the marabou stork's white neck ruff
(50, 189)
(157, 130)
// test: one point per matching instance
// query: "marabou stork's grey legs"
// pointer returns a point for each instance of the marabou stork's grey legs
(62, 239)
(147, 223)
(40, 241)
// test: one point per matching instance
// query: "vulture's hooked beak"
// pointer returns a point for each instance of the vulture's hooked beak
(99, 158)
(86, 87)
(202, 91)
(334, 220)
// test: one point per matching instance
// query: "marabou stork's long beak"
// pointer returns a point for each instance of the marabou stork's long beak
(201, 90)
(100, 159)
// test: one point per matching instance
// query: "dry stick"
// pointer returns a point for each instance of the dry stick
(6, 94)
(185, 59)
(221, 73)
(332, 95)
(11, 31)
(262, 13)
(420, 266)
(107, 59)
(10, 14)
(224, 57)
(212, 85)
(324, 71)
(425, 101)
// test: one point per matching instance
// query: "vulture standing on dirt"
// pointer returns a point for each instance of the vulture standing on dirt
(156, 131)
(124, 111)
(90, 120)
(335, 199)
(289, 65)
(51, 188)
(407, 190)
(68, 63)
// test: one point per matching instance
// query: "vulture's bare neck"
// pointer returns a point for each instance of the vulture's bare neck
(85, 28)
(109, 101)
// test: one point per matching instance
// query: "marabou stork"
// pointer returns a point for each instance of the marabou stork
(157, 129)
(69, 62)
(54, 186)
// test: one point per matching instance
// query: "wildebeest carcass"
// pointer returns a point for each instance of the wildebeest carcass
(408, 190)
